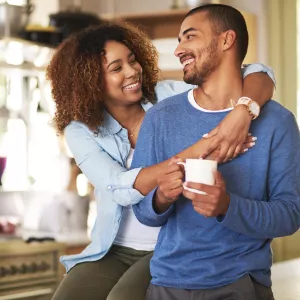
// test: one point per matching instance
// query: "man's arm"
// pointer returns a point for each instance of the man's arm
(144, 156)
(280, 216)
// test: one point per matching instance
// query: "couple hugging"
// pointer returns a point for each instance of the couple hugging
(211, 234)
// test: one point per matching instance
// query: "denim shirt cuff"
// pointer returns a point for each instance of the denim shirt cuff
(125, 193)
(256, 68)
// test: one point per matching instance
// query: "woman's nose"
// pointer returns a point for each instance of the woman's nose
(130, 71)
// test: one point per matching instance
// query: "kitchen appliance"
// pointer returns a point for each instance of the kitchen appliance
(48, 36)
(13, 18)
(73, 20)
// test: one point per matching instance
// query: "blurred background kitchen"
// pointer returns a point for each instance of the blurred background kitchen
(46, 204)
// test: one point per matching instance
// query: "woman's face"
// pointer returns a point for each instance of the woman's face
(122, 75)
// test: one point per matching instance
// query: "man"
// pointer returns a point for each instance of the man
(217, 245)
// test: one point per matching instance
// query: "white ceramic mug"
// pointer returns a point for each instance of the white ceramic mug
(200, 171)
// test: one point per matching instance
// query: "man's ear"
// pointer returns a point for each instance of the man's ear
(228, 39)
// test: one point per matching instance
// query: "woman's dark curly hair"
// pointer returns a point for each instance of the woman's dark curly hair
(75, 72)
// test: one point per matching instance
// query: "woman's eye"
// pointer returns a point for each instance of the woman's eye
(117, 69)
(133, 61)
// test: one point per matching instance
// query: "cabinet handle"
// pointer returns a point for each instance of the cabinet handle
(27, 294)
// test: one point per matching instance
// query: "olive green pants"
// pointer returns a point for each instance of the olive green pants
(122, 274)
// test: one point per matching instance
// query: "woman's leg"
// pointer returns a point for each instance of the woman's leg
(91, 280)
(134, 283)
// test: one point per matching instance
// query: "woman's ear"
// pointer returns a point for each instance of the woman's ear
(228, 39)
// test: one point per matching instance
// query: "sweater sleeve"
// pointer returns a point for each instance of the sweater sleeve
(144, 156)
(280, 216)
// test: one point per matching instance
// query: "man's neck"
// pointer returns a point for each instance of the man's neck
(220, 89)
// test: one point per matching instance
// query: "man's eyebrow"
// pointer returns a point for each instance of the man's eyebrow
(186, 32)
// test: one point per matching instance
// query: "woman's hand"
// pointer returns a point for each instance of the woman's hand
(249, 143)
(230, 136)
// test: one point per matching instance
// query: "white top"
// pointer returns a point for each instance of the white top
(197, 106)
(132, 233)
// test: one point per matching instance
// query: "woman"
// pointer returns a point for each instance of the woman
(103, 80)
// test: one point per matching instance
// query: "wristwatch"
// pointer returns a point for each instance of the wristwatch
(252, 106)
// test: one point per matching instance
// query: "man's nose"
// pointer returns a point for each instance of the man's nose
(179, 51)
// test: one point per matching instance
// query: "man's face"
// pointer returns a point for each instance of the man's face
(198, 49)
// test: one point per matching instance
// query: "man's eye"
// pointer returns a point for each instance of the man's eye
(190, 37)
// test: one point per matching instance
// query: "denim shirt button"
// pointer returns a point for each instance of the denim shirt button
(109, 187)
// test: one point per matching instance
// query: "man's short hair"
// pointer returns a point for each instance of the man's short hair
(224, 17)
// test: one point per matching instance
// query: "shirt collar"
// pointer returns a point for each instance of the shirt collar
(113, 126)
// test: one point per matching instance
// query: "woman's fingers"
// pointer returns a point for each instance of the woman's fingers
(230, 154)
(250, 139)
(247, 146)
(212, 133)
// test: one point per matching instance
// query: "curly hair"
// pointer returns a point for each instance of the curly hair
(75, 72)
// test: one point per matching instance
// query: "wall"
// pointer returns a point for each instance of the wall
(259, 8)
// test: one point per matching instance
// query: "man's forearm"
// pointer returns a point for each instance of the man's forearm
(145, 213)
(160, 205)
(263, 221)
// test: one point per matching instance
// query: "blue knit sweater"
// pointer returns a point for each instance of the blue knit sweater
(194, 252)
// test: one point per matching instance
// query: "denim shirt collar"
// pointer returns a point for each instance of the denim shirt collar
(113, 126)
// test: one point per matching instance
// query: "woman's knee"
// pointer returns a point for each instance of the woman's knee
(85, 281)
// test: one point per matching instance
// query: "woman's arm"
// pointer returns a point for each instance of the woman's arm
(231, 133)
(106, 174)
(102, 171)
(146, 180)
(168, 88)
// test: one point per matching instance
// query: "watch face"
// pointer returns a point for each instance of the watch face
(254, 108)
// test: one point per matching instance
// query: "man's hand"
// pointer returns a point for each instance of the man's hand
(231, 134)
(216, 200)
(170, 185)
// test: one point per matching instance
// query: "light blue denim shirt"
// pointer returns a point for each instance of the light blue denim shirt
(102, 158)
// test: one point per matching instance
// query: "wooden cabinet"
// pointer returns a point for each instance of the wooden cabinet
(287, 247)
(167, 24)
(29, 271)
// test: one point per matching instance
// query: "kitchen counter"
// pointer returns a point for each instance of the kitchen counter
(69, 238)
(286, 280)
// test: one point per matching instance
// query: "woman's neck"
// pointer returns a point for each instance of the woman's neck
(127, 116)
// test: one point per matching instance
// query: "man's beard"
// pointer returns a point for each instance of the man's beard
(197, 76)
